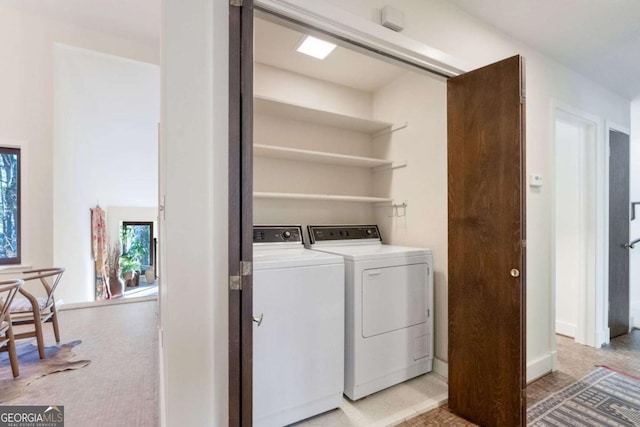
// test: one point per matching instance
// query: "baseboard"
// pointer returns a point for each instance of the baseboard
(634, 321)
(541, 366)
(105, 303)
(536, 369)
(441, 367)
(602, 337)
(565, 328)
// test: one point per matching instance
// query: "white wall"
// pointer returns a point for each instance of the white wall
(26, 111)
(568, 227)
(272, 82)
(194, 304)
(278, 175)
(117, 214)
(634, 232)
(105, 151)
(421, 101)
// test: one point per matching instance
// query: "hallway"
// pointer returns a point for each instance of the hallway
(574, 362)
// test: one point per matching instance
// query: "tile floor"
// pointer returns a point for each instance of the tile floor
(387, 407)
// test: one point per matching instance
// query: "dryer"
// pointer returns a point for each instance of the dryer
(298, 337)
(388, 307)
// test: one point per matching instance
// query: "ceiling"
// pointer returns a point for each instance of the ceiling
(135, 20)
(276, 45)
(598, 38)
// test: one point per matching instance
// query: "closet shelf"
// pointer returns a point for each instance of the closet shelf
(279, 152)
(328, 197)
(306, 114)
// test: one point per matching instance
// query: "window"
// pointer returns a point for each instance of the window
(10, 206)
(137, 243)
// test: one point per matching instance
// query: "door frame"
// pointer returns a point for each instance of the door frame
(589, 260)
(365, 35)
(611, 126)
(596, 297)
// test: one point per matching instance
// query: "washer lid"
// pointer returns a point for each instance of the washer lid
(372, 251)
(266, 258)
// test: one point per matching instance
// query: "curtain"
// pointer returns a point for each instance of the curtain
(100, 252)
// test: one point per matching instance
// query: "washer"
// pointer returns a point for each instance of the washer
(389, 306)
(298, 346)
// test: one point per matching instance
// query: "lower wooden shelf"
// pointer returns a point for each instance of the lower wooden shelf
(327, 197)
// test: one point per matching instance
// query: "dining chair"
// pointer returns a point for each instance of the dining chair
(36, 311)
(8, 290)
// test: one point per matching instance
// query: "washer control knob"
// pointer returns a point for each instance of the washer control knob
(369, 232)
(286, 234)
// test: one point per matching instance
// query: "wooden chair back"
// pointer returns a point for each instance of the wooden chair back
(8, 290)
(49, 277)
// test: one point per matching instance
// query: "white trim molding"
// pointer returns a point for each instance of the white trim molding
(541, 366)
(441, 367)
(565, 328)
(591, 298)
(347, 26)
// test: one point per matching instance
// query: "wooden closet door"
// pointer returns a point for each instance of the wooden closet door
(486, 175)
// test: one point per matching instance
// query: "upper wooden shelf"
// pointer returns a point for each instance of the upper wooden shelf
(299, 112)
(279, 152)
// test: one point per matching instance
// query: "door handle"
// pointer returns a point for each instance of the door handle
(628, 245)
(258, 319)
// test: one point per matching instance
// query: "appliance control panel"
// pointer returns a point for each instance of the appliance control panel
(277, 233)
(323, 233)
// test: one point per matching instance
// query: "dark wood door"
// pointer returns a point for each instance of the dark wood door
(240, 213)
(618, 233)
(486, 166)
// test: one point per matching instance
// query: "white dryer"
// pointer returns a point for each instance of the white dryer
(389, 307)
(298, 346)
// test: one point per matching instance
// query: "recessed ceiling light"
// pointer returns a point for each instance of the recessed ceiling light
(315, 47)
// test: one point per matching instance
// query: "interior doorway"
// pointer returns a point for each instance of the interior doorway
(574, 225)
(619, 172)
(106, 107)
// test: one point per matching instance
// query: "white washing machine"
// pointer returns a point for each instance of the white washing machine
(298, 346)
(389, 307)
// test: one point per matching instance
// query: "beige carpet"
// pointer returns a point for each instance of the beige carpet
(58, 359)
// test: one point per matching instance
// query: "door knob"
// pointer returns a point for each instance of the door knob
(515, 272)
(628, 246)
(258, 319)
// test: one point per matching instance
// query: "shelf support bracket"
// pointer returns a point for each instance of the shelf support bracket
(391, 166)
(398, 209)
(392, 129)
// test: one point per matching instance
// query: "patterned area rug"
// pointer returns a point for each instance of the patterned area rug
(32, 368)
(602, 398)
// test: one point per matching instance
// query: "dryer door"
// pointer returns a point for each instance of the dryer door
(394, 298)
